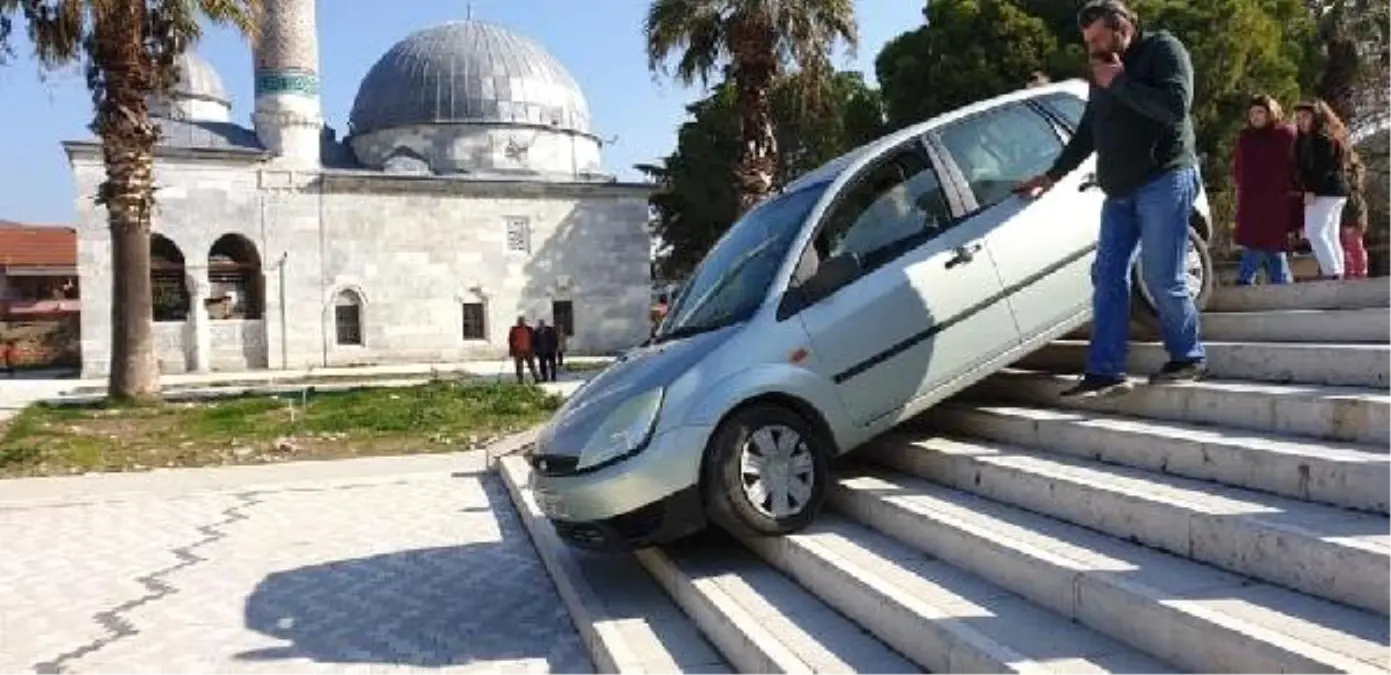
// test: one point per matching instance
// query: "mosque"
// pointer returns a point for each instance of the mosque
(467, 191)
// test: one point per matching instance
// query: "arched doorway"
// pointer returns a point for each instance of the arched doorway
(168, 287)
(237, 288)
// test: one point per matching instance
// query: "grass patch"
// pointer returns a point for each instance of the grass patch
(437, 417)
(586, 366)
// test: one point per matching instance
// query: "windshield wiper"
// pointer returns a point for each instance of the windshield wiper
(688, 331)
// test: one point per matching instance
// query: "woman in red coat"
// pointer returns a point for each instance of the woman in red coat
(1267, 203)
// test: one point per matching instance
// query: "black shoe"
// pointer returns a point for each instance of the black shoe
(1091, 386)
(1180, 371)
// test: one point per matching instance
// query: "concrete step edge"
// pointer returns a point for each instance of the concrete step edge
(954, 527)
(1177, 518)
(616, 643)
(1345, 414)
(725, 606)
(917, 626)
(1343, 364)
(1337, 474)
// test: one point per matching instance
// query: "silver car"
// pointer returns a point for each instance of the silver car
(856, 298)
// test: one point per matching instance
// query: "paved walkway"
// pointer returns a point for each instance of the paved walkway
(378, 564)
(383, 564)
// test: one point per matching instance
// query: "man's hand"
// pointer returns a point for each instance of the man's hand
(1105, 72)
(1034, 186)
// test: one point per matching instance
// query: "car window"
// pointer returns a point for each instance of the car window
(1067, 106)
(997, 149)
(732, 281)
(895, 206)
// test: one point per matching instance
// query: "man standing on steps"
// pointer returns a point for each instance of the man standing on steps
(1138, 121)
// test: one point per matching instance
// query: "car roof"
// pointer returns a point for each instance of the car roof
(852, 159)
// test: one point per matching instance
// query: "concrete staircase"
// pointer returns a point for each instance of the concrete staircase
(1235, 525)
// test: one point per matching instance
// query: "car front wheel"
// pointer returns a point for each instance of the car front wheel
(1198, 276)
(766, 472)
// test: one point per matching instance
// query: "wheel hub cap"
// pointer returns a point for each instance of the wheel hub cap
(776, 471)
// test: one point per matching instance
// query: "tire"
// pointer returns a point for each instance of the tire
(1199, 259)
(728, 485)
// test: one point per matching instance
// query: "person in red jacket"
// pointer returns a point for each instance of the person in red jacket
(521, 347)
(1268, 206)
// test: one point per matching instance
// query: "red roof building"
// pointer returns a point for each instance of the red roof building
(38, 271)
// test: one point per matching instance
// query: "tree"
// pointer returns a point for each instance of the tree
(129, 48)
(974, 49)
(969, 50)
(754, 40)
(696, 202)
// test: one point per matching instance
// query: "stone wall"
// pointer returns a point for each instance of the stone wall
(417, 251)
(412, 250)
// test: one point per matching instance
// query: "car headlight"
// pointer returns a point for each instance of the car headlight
(625, 430)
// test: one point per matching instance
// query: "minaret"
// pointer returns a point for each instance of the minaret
(288, 115)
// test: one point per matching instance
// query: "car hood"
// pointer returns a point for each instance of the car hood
(637, 371)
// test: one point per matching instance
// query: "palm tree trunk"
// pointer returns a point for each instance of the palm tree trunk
(123, 77)
(755, 67)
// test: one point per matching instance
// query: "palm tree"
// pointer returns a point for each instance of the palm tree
(129, 48)
(754, 40)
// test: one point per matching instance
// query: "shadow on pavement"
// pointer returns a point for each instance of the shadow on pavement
(428, 608)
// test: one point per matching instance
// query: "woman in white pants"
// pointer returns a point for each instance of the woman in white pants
(1323, 154)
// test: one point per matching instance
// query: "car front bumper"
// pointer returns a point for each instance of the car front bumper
(649, 498)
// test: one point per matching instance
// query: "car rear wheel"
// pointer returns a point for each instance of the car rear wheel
(766, 472)
(1198, 276)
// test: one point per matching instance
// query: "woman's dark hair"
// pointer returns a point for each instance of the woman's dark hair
(1110, 11)
(1271, 106)
(1327, 123)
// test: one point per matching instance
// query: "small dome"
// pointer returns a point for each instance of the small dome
(468, 72)
(197, 94)
(199, 80)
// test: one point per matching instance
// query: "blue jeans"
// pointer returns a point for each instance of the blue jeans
(1151, 222)
(1277, 266)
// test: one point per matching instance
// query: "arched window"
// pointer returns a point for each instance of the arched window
(347, 318)
(168, 287)
(234, 274)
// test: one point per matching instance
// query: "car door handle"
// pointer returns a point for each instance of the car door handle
(964, 255)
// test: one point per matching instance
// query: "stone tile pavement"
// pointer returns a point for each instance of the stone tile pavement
(326, 567)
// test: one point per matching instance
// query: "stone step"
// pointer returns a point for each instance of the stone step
(1331, 553)
(945, 619)
(627, 623)
(1369, 325)
(1351, 294)
(1282, 362)
(759, 619)
(1199, 618)
(1339, 474)
(1350, 415)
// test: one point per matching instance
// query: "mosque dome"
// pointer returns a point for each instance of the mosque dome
(469, 72)
(198, 93)
(199, 80)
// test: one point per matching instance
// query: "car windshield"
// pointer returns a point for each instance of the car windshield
(731, 282)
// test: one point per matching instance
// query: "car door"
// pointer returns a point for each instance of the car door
(913, 317)
(1043, 247)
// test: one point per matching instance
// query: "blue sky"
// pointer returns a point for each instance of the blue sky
(600, 42)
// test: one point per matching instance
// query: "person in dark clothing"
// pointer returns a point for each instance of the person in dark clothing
(1138, 122)
(547, 346)
(1268, 208)
(1323, 156)
(520, 346)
